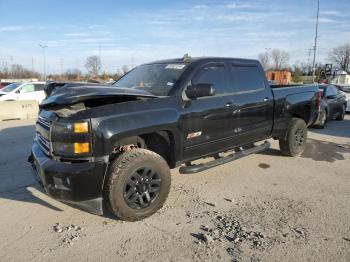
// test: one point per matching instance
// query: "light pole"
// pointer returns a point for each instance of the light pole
(44, 56)
(315, 46)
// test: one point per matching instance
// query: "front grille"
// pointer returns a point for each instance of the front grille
(43, 134)
(43, 122)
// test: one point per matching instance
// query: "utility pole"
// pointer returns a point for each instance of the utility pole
(43, 47)
(315, 45)
(32, 64)
(61, 65)
(78, 69)
(308, 61)
(99, 56)
(11, 65)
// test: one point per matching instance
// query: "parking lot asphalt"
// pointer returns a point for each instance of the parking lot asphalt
(265, 207)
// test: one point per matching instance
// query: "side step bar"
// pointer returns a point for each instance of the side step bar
(201, 167)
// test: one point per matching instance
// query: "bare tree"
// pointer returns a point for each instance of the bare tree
(264, 59)
(72, 74)
(93, 65)
(18, 71)
(341, 57)
(279, 59)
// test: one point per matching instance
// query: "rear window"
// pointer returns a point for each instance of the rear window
(39, 87)
(247, 78)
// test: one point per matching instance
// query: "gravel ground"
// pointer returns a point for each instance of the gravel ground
(264, 207)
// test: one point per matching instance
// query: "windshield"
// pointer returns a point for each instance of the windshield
(9, 88)
(157, 79)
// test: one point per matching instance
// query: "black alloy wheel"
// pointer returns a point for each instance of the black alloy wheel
(294, 143)
(137, 184)
(299, 138)
(142, 188)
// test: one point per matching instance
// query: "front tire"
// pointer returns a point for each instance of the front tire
(295, 142)
(138, 184)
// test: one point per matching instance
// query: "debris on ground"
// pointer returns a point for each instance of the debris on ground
(345, 146)
(300, 232)
(246, 230)
(230, 199)
(68, 233)
(231, 230)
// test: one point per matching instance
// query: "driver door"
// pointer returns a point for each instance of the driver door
(209, 124)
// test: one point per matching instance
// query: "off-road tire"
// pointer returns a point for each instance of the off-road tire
(119, 172)
(342, 114)
(291, 145)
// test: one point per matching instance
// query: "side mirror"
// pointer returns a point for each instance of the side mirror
(200, 90)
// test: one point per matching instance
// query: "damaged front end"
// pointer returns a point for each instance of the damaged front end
(63, 158)
(69, 100)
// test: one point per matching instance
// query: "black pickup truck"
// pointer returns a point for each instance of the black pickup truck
(114, 146)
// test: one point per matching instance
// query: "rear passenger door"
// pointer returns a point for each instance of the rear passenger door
(254, 100)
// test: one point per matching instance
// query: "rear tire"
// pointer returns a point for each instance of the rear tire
(138, 184)
(342, 114)
(295, 141)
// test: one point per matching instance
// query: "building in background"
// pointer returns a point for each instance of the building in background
(340, 78)
(281, 77)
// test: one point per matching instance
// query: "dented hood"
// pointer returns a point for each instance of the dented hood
(72, 95)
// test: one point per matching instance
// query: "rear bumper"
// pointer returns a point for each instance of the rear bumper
(348, 105)
(78, 184)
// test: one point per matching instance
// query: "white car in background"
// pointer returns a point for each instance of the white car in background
(346, 91)
(23, 91)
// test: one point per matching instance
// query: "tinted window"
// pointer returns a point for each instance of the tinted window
(27, 88)
(10, 87)
(39, 87)
(247, 78)
(331, 91)
(215, 75)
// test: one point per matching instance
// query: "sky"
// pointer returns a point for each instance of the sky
(135, 32)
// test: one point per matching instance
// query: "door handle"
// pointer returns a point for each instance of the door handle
(266, 99)
(229, 104)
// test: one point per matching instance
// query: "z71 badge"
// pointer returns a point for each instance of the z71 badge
(193, 135)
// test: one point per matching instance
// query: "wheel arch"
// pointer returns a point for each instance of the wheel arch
(161, 142)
